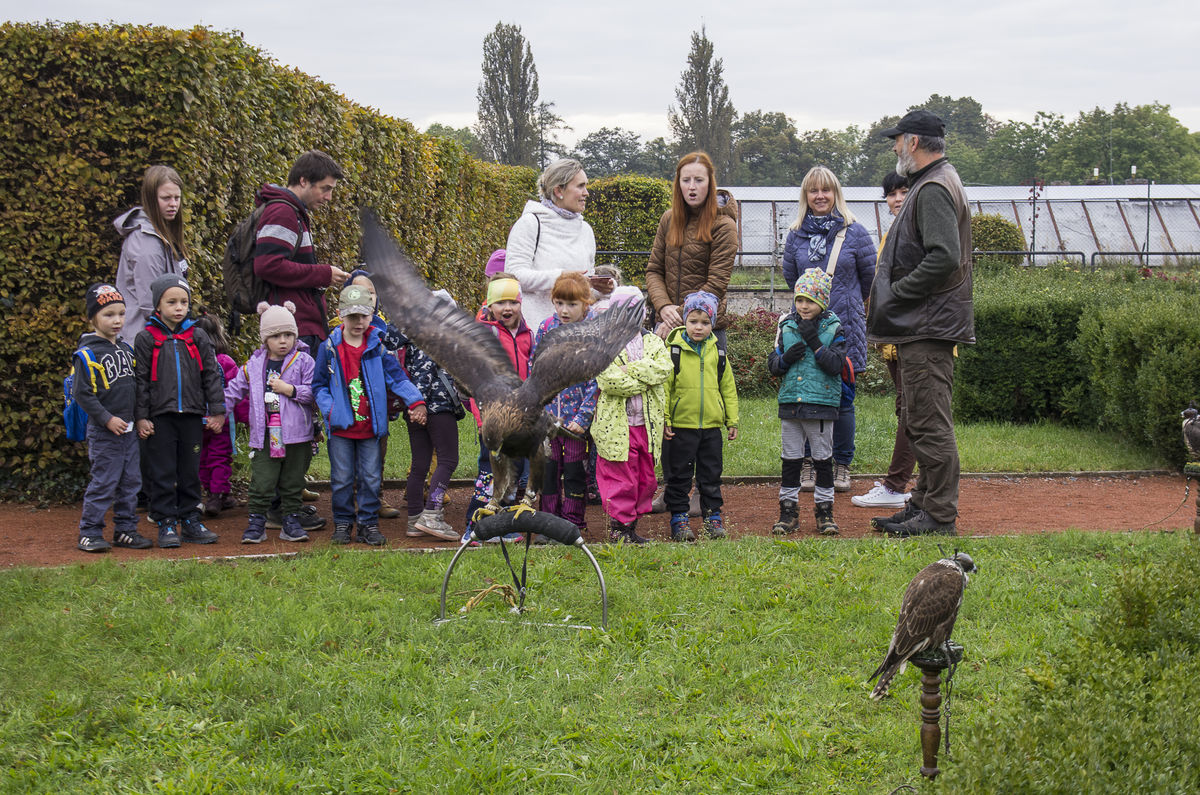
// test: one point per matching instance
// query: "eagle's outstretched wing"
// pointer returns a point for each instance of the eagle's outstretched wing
(467, 350)
(927, 616)
(576, 352)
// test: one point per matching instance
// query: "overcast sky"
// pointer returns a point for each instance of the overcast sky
(616, 63)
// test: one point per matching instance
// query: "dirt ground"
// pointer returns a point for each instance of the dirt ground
(988, 505)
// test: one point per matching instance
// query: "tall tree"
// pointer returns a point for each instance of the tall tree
(508, 98)
(608, 151)
(767, 150)
(838, 150)
(548, 123)
(705, 116)
(1146, 136)
(1016, 153)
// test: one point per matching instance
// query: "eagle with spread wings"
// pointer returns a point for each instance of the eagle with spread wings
(514, 420)
(927, 615)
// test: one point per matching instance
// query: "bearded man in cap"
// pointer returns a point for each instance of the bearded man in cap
(921, 303)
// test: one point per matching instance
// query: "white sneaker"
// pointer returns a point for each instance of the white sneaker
(880, 496)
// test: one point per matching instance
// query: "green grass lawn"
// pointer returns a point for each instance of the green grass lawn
(726, 667)
(984, 447)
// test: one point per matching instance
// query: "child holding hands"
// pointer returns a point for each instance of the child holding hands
(278, 380)
(180, 392)
(352, 378)
(701, 400)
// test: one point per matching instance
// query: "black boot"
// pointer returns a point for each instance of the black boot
(631, 536)
(879, 523)
(789, 518)
(825, 524)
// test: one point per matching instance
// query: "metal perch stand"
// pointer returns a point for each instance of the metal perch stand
(512, 520)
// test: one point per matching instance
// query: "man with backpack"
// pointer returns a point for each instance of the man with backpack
(284, 259)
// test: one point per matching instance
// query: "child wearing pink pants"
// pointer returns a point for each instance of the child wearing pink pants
(628, 427)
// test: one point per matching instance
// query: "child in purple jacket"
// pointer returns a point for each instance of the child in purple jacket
(278, 379)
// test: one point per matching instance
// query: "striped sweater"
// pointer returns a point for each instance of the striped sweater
(297, 278)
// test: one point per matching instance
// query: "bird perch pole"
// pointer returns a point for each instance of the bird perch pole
(932, 663)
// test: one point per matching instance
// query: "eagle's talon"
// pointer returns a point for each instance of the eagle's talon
(521, 508)
(484, 511)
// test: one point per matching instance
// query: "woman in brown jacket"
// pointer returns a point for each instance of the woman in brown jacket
(694, 247)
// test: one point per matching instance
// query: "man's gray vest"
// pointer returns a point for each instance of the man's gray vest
(946, 313)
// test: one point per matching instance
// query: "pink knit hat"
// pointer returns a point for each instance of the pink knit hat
(274, 320)
(495, 263)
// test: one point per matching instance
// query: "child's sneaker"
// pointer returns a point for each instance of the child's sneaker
(413, 531)
(254, 535)
(341, 533)
(193, 531)
(680, 528)
(433, 521)
(131, 539)
(292, 531)
(370, 536)
(714, 526)
(214, 504)
(93, 544)
(168, 534)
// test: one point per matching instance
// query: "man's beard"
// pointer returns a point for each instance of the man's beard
(905, 163)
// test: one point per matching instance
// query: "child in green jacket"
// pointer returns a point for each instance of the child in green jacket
(701, 401)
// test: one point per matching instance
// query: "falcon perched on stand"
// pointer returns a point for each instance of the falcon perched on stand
(1191, 431)
(515, 423)
(927, 615)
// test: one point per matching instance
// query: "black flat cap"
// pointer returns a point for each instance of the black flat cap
(918, 122)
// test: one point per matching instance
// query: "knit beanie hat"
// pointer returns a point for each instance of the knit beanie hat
(503, 290)
(355, 300)
(99, 296)
(495, 263)
(274, 320)
(705, 302)
(164, 283)
(814, 284)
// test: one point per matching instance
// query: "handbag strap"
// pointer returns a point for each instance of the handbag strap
(837, 249)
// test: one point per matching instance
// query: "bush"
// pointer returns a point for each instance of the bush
(751, 338)
(89, 107)
(997, 233)
(624, 213)
(1115, 709)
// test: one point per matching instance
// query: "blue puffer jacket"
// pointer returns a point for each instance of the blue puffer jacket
(851, 282)
(381, 373)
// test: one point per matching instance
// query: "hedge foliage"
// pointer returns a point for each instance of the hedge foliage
(88, 108)
(1115, 712)
(624, 214)
(997, 233)
(1114, 350)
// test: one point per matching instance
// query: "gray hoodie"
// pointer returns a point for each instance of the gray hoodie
(144, 257)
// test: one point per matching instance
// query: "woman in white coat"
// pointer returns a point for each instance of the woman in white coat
(550, 238)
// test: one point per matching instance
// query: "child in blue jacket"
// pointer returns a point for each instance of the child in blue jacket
(352, 378)
(809, 354)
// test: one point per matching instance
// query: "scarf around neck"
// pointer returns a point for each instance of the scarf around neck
(568, 214)
(817, 228)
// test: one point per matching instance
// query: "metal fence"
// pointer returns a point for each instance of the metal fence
(1152, 224)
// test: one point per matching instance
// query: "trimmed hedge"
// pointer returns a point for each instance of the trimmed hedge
(624, 213)
(991, 232)
(1113, 350)
(89, 107)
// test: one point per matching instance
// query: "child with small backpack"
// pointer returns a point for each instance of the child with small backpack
(180, 392)
(105, 387)
(352, 378)
(701, 401)
(809, 354)
(277, 378)
(216, 451)
(627, 429)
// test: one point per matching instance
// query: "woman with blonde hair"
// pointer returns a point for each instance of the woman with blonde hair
(694, 247)
(153, 244)
(825, 235)
(551, 238)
